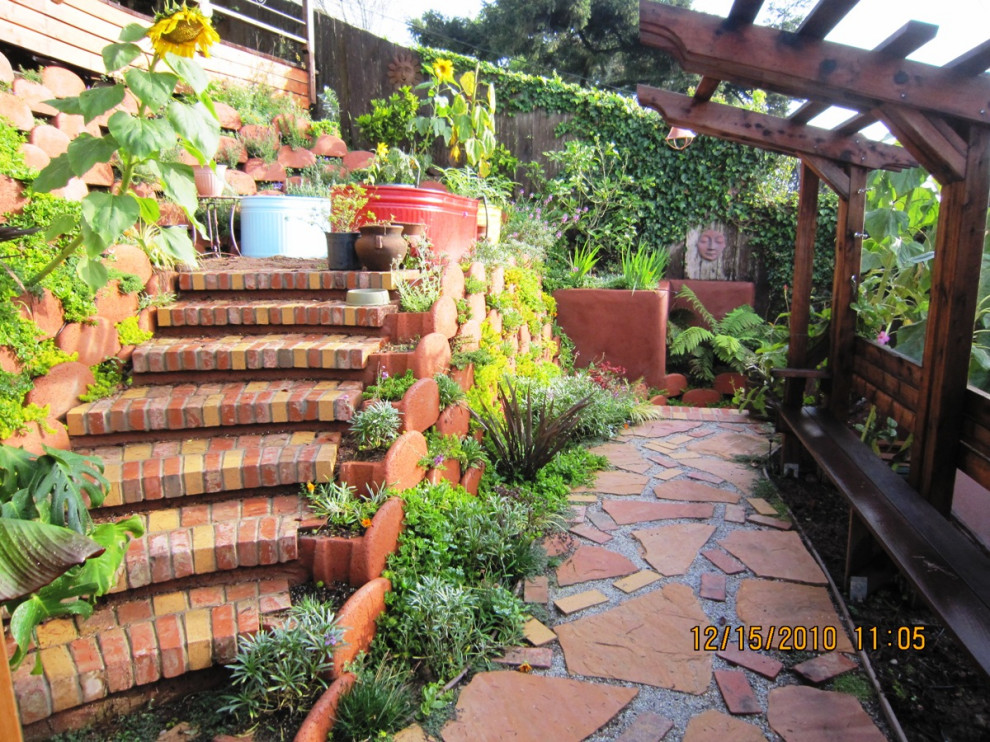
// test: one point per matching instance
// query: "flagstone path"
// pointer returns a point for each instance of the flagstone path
(672, 563)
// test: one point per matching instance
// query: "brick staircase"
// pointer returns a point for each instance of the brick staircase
(239, 399)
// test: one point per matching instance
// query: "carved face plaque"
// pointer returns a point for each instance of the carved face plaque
(711, 243)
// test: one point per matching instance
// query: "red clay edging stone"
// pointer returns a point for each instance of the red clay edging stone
(420, 406)
(35, 435)
(454, 420)
(45, 311)
(471, 479)
(321, 718)
(358, 618)
(431, 356)
(452, 282)
(381, 539)
(673, 384)
(402, 469)
(327, 557)
(60, 387)
(94, 343)
(701, 397)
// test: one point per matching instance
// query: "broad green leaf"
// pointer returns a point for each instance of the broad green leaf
(133, 32)
(96, 101)
(101, 571)
(60, 225)
(117, 56)
(110, 215)
(154, 89)
(141, 137)
(23, 620)
(179, 185)
(86, 150)
(150, 212)
(55, 174)
(472, 148)
(189, 70)
(93, 273)
(197, 125)
(458, 106)
(66, 105)
(491, 97)
(175, 241)
(32, 554)
(468, 83)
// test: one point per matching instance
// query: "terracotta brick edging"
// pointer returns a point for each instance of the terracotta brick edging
(321, 718)
(358, 617)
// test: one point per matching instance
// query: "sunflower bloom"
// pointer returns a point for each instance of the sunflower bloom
(443, 70)
(182, 31)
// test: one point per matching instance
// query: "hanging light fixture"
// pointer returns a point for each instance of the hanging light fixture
(678, 138)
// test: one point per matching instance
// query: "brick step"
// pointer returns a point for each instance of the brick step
(273, 352)
(203, 539)
(185, 407)
(277, 284)
(136, 642)
(264, 315)
(143, 472)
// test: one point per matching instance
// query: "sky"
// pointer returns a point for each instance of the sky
(963, 24)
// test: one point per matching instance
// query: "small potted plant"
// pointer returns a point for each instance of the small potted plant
(346, 205)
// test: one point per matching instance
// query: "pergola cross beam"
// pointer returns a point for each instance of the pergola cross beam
(809, 68)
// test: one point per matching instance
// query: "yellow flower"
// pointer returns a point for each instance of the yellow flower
(366, 523)
(525, 667)
(443, 70)
(455, 153)
(381, 150)
(310, 487)
(181, 31)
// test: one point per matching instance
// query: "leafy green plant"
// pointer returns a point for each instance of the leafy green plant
(472, 454)
(462, 113)
(137, 140)
(439, 450)
(340, 505)
(262, 144)
(284, 668)
(256, 103)
(108, 378)
(393, 166)
(379, 703)
(528, 433)
(493, 190)
(56, 489)
(376, 427)
(346, 202)
(390, 388)
(450, 391)
(729, 340)
(474, 285)
(644, 268)
(583, 262)
(129, 333)
(390, 121)
(420, 293)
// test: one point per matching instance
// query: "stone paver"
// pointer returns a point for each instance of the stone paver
(773, 554)
(801, 714)
(593, 563)
(637, 581)
(625, 512)
(675, 483)
(580, 601)
(714, 726)
(770, 604)
(827, 666)
(647, 639)
(670, 550)
(497, 706)
(646, 727)
(617, 483)
(694, 492)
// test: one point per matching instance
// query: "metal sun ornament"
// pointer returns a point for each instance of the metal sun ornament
(678, 138)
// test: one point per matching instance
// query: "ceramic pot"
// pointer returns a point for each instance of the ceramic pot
(341, 255)
(209, 183)
(380, 245)
(414, 234)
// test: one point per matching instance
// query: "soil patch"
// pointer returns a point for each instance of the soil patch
(937, 694)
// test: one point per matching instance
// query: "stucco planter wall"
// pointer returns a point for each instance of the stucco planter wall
(628, 328)
(718, 297)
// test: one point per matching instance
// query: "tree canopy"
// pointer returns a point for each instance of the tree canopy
(596, 42)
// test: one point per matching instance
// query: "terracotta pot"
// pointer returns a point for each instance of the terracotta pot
(208, 182)
(414, 233)
(341, 255)
(380, 245)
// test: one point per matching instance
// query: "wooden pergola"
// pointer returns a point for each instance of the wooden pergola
(941, 118)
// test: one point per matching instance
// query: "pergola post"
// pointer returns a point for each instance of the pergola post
(804, 258)
(951, 313)
(845, 284)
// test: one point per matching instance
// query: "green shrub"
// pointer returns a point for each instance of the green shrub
(129, 333)
(338, 503)
(379, 703)
(390, 388)
(376, 427)
(108, 378)
(450, 391)
(284, 668)
(419, 294)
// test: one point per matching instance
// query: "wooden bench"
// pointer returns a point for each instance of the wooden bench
(950, 572)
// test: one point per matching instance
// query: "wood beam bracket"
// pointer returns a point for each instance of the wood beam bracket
(941, 151)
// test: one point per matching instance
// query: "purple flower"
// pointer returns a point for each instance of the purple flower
(438, 460)
(330, 641)
(563, 219)
(883, 338)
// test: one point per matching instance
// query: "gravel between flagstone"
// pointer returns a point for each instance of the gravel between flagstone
(679, 707)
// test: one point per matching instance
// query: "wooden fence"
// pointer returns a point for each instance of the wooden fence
(73, 32)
